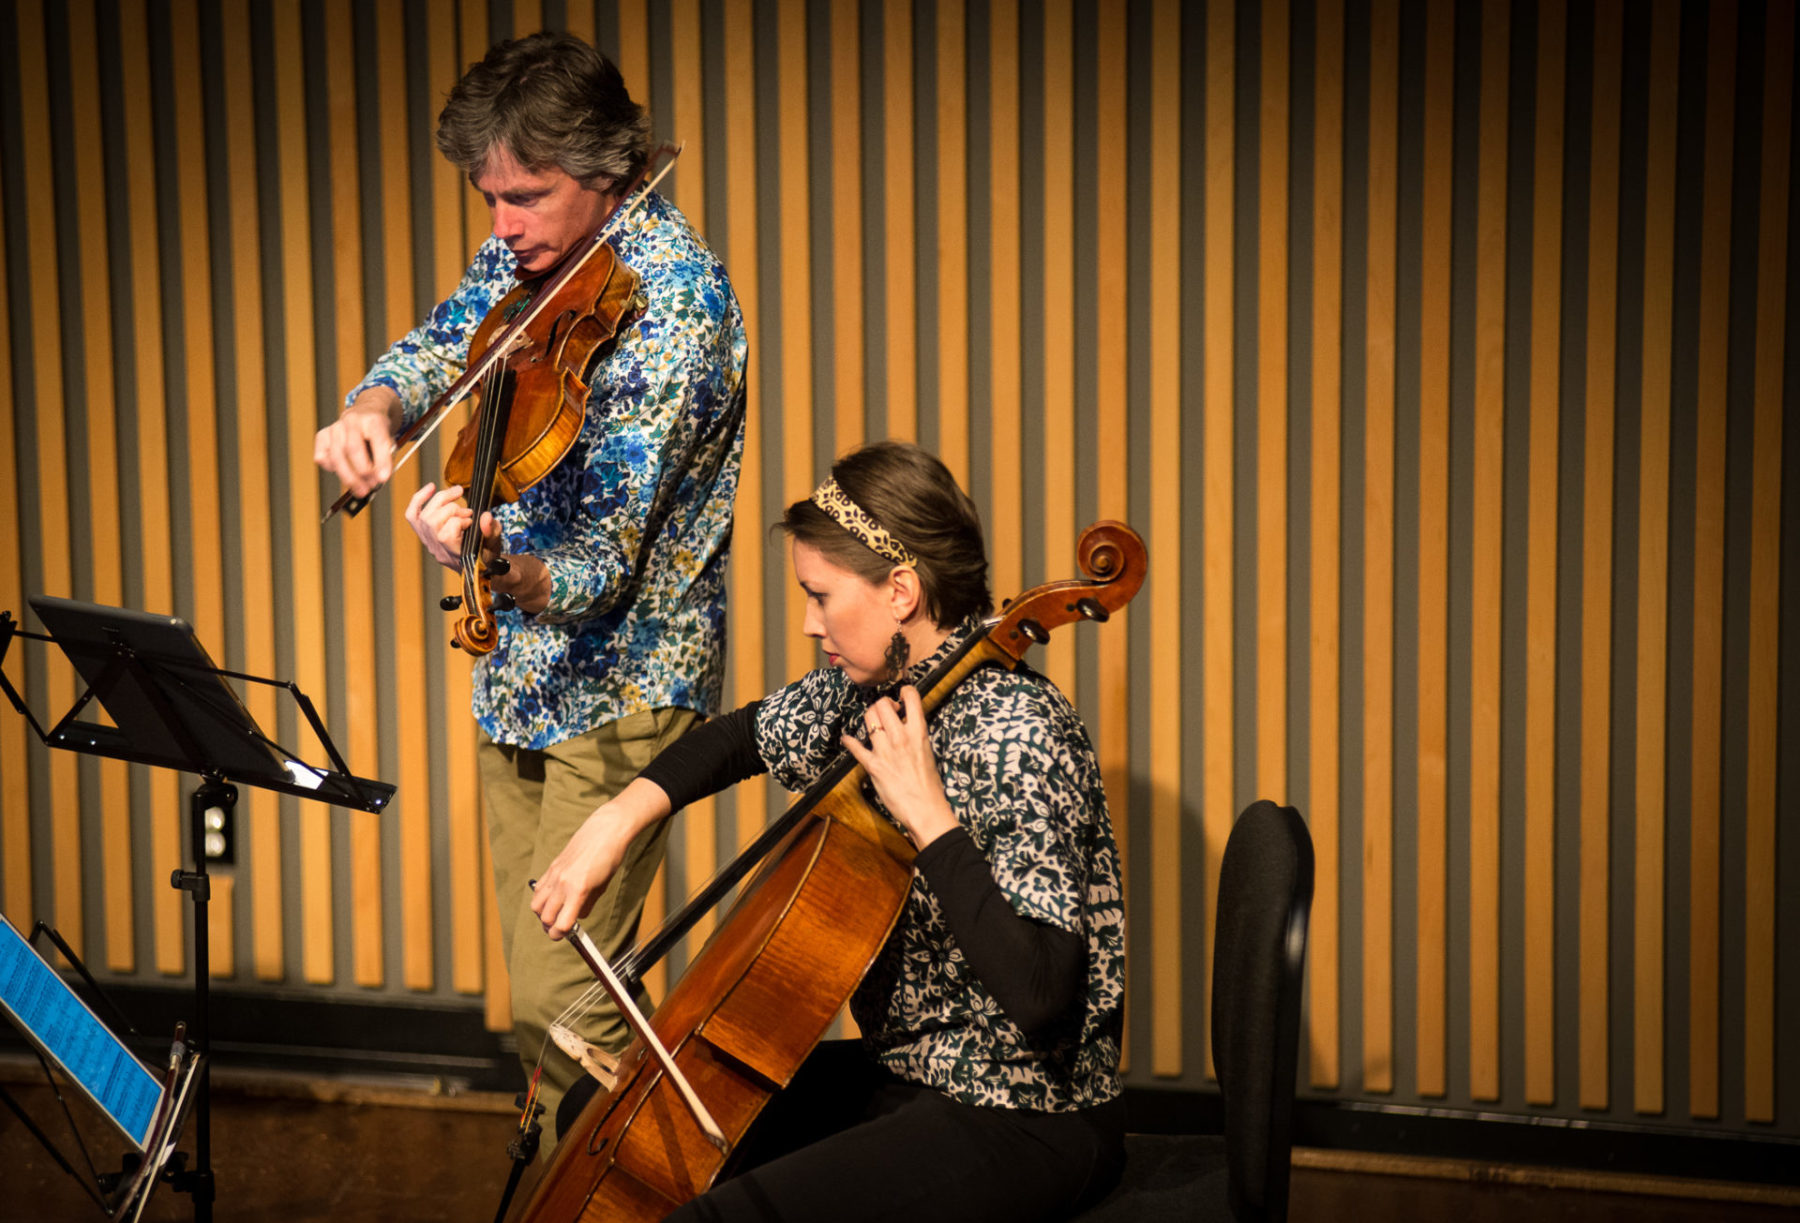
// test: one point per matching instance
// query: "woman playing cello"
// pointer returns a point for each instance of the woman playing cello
(985, 1084)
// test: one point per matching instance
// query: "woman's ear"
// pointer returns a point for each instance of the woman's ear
(906, 593)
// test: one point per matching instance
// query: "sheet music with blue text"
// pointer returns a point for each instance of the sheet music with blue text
(71, 1035)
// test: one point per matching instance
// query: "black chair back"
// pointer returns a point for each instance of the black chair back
(1265, 897)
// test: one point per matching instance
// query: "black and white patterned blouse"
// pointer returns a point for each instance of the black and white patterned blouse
(1021, 776)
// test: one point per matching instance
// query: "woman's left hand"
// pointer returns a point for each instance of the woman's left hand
(901, 767)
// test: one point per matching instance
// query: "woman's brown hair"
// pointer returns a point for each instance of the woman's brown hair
(914, 496)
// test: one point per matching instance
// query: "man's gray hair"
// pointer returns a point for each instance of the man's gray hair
(548, 99)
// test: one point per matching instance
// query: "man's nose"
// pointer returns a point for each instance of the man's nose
(507, 221)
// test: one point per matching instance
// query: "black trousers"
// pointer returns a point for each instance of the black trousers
(847, 1140)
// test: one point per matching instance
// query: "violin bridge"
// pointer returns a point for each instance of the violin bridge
(595, 1060)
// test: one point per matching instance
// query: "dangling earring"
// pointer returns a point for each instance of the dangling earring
(898, 651)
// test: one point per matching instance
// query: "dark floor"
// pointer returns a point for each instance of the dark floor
(393, 1154)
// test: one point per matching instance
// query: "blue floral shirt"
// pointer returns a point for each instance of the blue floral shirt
(635, 524)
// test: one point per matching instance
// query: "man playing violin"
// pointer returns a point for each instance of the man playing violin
(616, 559)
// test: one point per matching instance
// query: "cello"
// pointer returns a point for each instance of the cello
(823, 887)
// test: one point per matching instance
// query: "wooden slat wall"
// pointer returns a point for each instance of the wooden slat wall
(1501, 470)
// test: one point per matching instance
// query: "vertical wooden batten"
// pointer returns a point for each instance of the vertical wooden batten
(901, 235)
(1111, 364)
(1057, 513)
(1597, 558)
(1006, 527)
(1216, 619)
(1541, 559)
(1762, 765)
(793, 176)
(15, 799)
(1710, 411)
(1485, 546)
(1431, 760)
(1653, 558)
(849, 400)
(1272, 408)
(1326, 532)
(1378, 553)
(952, 190)
(1165, 541)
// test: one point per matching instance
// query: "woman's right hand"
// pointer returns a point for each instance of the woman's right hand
(566, 890)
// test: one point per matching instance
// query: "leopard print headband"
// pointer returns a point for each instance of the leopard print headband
(856, 520)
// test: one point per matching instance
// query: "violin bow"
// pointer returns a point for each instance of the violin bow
(503, 344)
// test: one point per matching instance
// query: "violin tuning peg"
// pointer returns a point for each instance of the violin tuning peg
(499, 567)
(455, 644)
(504, 602)
(450, 602)
(640, 302)
(1092, 609)
(1035, 631)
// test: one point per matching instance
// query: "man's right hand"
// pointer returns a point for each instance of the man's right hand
(358, 447)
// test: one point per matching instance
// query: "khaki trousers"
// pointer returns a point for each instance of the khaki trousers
(536, 800)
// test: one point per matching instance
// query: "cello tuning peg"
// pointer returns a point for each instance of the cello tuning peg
(1092, 609)
(504, 602)
(1035, 631)
(499, 567)
(639, 302)
(450, 602)
(455, 644)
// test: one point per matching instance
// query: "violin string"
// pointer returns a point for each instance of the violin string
(481, 499)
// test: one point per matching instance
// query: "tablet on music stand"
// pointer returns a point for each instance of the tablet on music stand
(66, 1030)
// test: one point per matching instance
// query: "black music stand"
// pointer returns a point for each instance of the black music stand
(172, 708)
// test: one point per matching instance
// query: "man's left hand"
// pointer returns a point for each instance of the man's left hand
(527, 579)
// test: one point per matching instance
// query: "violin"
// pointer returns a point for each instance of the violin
(831, 879)
(529, 409)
